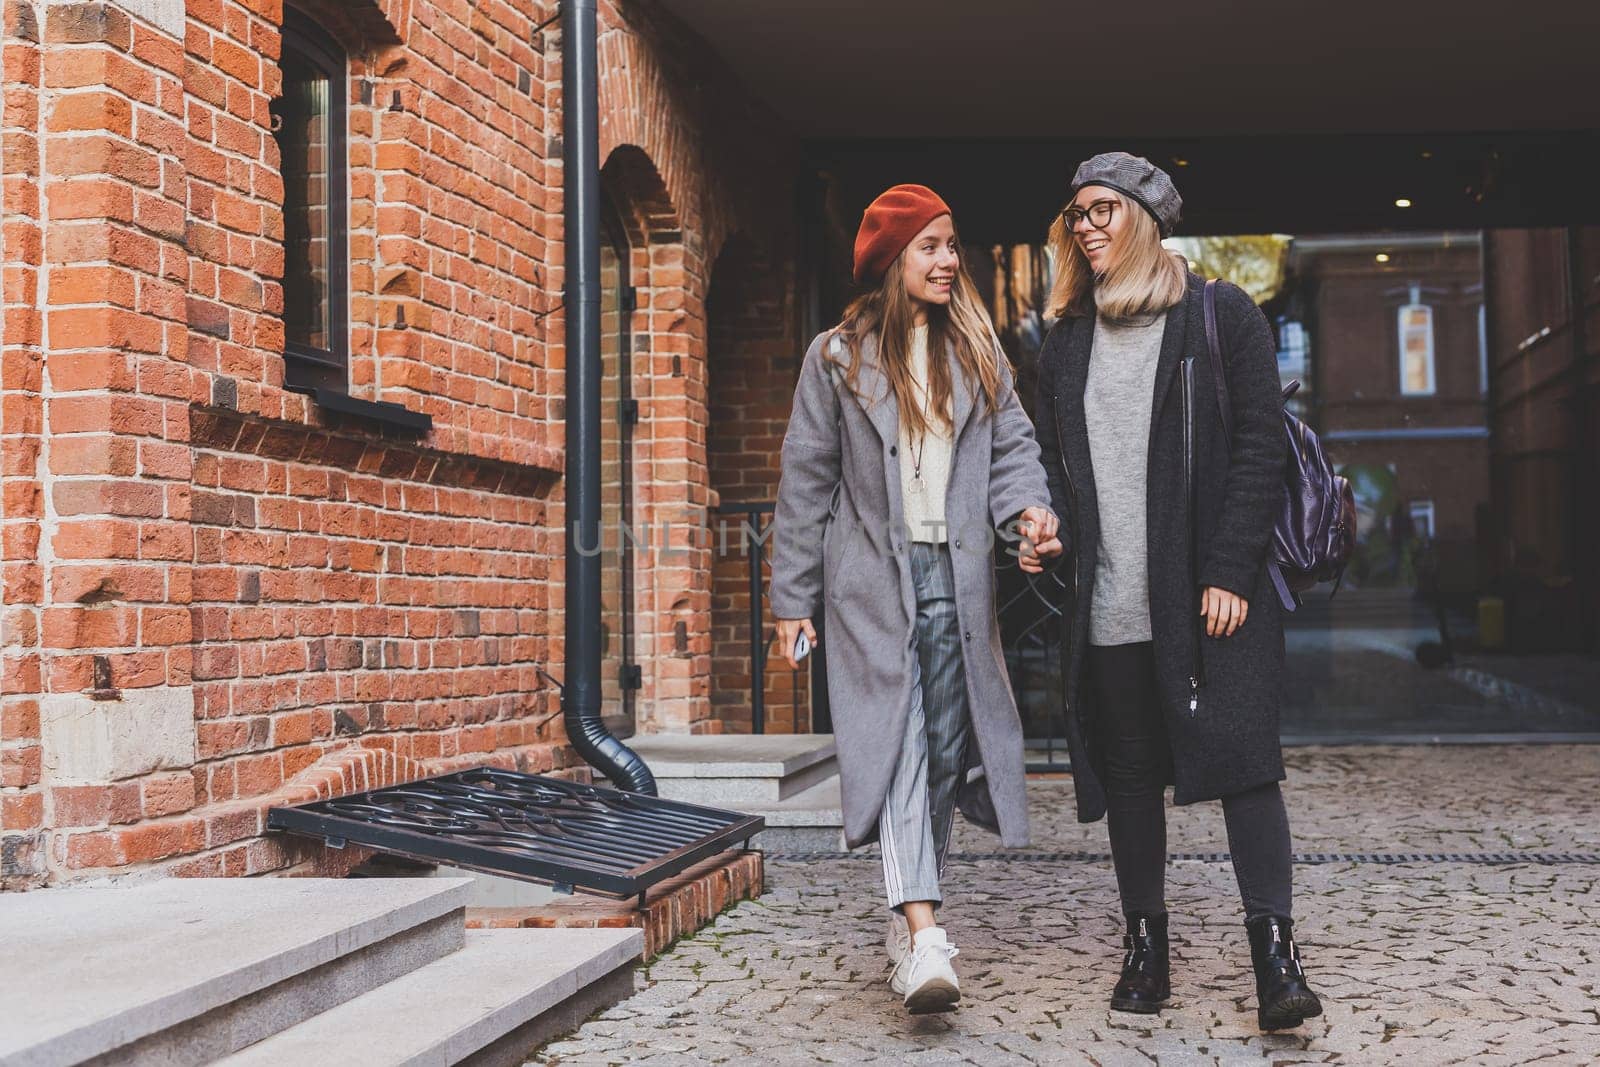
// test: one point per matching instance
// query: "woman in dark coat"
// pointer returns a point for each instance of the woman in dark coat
(1174, 645)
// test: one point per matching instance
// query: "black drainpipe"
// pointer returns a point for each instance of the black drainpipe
(580, 698)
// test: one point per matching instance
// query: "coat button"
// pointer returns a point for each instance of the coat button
(893, 451)
(958, 542)
(967, 635)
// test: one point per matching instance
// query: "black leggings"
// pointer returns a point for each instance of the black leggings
(1131, 735)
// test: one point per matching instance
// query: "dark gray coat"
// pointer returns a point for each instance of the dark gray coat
(840, 552)
(1231, 742)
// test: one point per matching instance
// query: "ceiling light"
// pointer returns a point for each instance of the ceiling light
(1402, 202)
(1382, 257)
(1180, 161)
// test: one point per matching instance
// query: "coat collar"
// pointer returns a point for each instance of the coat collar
(877, 398)
(1174, 346)
(1075, 430)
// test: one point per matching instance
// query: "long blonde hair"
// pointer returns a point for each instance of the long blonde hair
(1145, 279)
(964, 324)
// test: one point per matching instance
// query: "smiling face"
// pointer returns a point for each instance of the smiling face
(929, 265)
(1096, 219)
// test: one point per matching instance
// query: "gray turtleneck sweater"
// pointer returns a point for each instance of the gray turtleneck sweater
(1117, 402)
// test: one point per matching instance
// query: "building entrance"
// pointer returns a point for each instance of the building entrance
(1435, 632)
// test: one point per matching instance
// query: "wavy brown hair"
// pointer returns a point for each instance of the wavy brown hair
(1145, 279)
(964, 325)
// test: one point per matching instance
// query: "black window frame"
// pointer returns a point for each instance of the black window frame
(306, 368)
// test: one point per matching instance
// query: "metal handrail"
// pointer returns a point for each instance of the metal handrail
(759, 639)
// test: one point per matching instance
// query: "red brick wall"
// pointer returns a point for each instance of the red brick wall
(214, 589)
(22, 802)
(754, 360)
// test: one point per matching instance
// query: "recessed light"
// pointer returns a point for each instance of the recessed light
(1180, 162)
(1402, 202)
(1382, 257)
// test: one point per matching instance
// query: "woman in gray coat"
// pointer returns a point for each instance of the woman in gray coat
(906, 449)
(1174, 642)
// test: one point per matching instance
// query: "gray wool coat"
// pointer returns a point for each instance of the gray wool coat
(1230, 742)
(840, 551)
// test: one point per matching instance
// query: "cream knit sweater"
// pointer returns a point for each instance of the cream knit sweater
(923, 497)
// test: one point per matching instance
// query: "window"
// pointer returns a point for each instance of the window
(1292, 347)
(308, 123)
(1416, 350)
(1421, 513)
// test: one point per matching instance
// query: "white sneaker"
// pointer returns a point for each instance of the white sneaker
(899, 938)
(924, 976)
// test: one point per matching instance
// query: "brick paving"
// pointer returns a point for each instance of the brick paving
(1419, 963)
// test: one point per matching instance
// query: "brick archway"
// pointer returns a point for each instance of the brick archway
(366, 27)
(672, 564)
(676, 163)
(641, 113)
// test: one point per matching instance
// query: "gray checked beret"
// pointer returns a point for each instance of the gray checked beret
(1139, 180)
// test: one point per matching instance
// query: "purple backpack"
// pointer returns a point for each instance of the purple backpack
(1316, 528)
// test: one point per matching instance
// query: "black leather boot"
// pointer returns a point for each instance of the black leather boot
(1146, 982)
(1283, 1000)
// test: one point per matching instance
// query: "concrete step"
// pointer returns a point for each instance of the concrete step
(492, 1003)
(810, 821)
(186, 970)
(736, 770)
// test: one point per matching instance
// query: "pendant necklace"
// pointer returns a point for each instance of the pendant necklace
(917, 484)
(921, 444)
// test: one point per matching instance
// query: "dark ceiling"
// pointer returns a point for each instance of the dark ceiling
(1159, 68)
(1010, 190)
(1291, 117)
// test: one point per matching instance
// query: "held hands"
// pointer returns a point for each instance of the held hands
(1223, 611)
(1038, 527)
(788, 630)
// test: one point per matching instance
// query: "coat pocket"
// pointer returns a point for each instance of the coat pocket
(839, 557)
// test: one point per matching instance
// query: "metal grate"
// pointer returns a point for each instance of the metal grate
(527, 826)
(1486, 859)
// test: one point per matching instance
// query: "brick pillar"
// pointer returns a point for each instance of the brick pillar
(117, 710)
(21, 446)
(675, 601)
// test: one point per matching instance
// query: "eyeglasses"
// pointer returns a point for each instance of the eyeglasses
(1098, 213)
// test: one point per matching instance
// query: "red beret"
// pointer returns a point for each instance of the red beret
(889, 224)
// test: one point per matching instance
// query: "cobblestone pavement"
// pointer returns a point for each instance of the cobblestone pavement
(1431, 962)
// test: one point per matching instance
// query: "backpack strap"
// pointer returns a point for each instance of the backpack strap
(1219, 377)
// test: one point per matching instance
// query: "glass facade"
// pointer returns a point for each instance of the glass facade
(1386, 334)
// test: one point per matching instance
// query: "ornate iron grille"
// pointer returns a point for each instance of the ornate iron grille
(527, 826)
(1030, 610)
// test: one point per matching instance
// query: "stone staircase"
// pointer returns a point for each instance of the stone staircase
(791, 780)
(367, 972)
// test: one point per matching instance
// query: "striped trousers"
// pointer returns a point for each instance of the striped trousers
(919, 810)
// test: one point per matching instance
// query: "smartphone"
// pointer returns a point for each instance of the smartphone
(802, 646)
